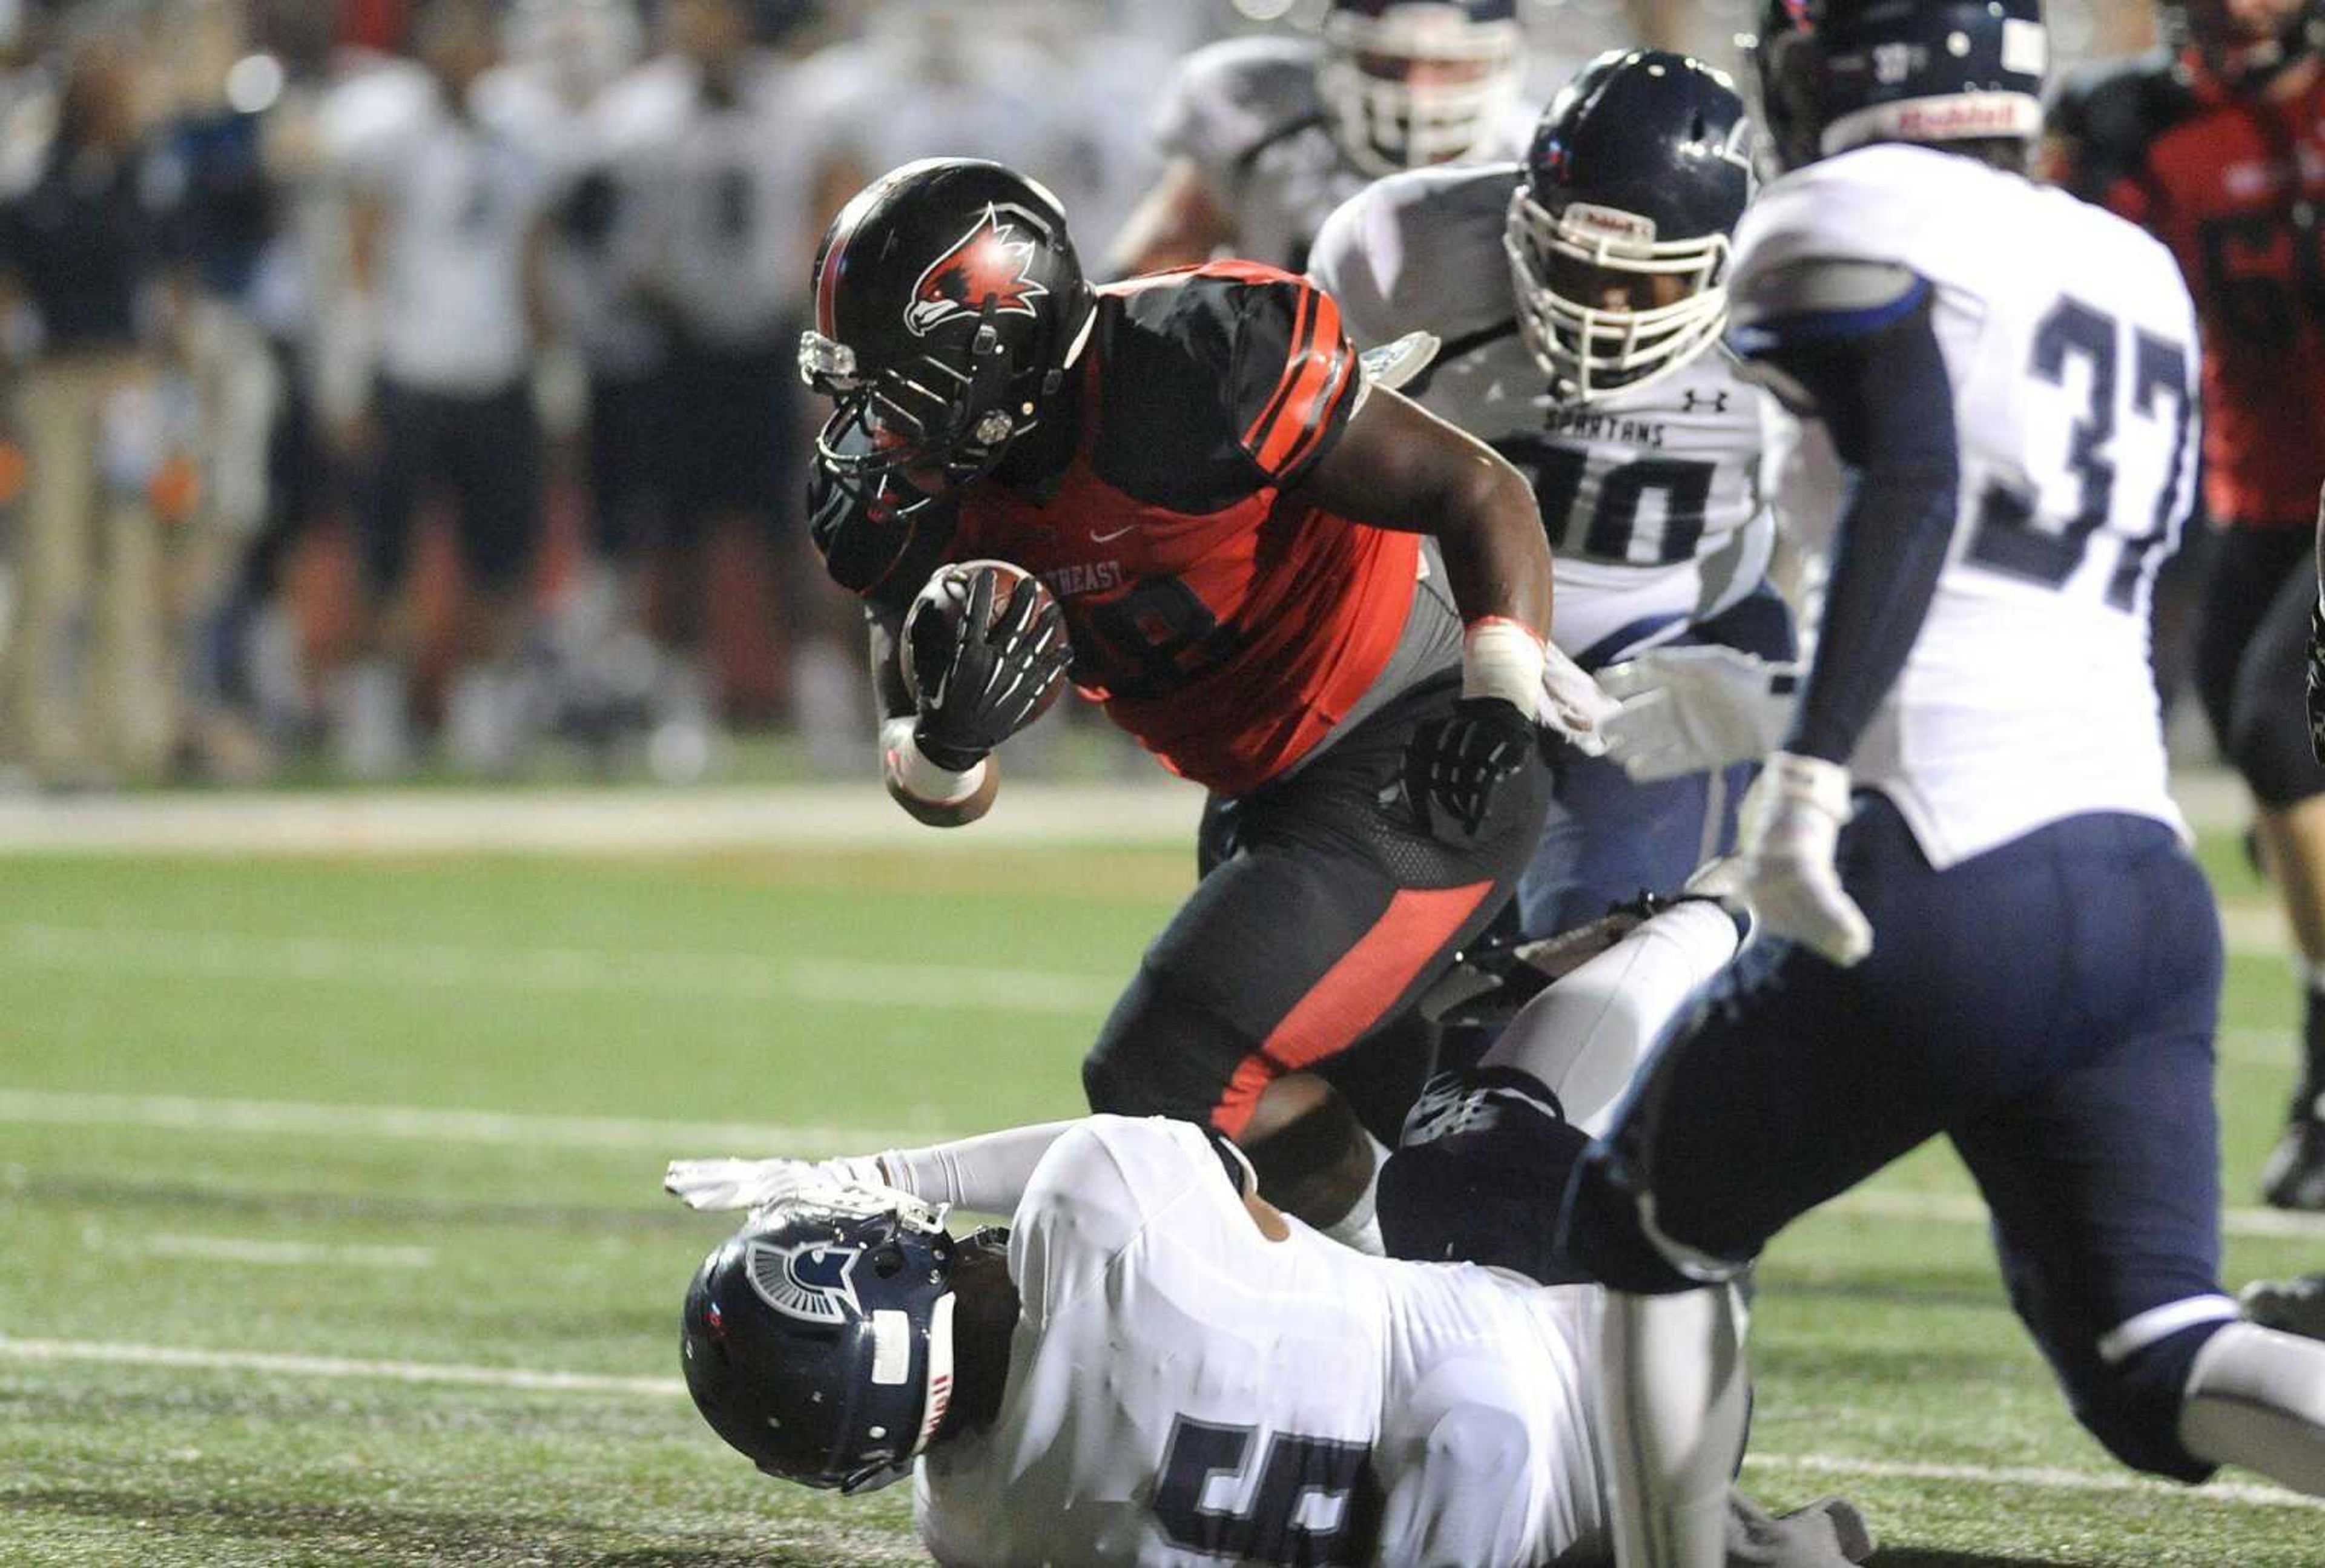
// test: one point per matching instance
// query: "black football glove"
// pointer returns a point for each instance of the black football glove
(983, 688)
(1455, 764)
(2317, 681)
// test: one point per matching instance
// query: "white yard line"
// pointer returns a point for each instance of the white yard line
(250, 1249)
(519, 1379)
(2254, 930)
(401, 964)
(264, 1119)
(1966, 1209)
(514, 1378)
(583, 821)
(275, 1118)
(2041, 1478)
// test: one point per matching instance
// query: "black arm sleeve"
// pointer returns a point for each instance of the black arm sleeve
(1877, 379)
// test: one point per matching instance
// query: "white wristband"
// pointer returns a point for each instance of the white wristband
(908, 768)
(1502, 658)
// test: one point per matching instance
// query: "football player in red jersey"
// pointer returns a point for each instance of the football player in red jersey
(1293, 587)
(2215, 142)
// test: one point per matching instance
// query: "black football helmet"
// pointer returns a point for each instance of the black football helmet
(1618, 230)
(948, 304)
(1836, 74)
(817, 1341)
(1409, 83)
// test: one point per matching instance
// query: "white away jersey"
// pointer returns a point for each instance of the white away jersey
(462, 193)
(1183, 1391)
(2071, 343)
(727, 184)
(1653, 499)
(1247, 111)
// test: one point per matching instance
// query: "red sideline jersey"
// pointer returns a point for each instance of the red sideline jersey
(1223, 622)
(2229, 184)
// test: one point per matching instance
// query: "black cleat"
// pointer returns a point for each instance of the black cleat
(2295, 1176)
(2293, 1306)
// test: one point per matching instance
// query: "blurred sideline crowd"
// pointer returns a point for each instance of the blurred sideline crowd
(393, 383)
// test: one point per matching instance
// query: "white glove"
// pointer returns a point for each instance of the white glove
(1572, 705)
(1785, 838)
(754, 1183)
(1687, 710)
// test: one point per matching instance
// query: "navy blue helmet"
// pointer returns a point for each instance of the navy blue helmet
(1618, 230)
(1409, 83)
(817, 1341)
(1836, 74)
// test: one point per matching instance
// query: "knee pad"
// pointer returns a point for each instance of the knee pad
(2268, 745)
(1485, 1156)
(2134, 1406)
(1602, 1231)
(1162, 1052)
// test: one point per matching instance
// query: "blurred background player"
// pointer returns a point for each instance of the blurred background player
(607, 371)
(1980, 915)
(89, 249)
(1580, 297)
(2216, 143)
(220, 154)
(1266, 137)
(450, 185)
(1229, 515)
(723, 174)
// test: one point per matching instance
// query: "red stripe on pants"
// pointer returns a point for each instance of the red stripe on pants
(1354, 994)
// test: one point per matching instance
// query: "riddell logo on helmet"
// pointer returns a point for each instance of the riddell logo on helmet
(1613, 222)
(1949, 120)
(985, 266)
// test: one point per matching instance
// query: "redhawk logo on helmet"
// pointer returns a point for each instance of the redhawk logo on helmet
(988, 265)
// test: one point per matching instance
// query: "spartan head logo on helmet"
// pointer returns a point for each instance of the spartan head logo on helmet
(987, 265)
(813, 1282)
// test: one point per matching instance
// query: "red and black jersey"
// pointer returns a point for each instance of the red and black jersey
(1222, 620)
(2229, 182)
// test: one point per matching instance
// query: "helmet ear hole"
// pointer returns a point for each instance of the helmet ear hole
(888, 1262)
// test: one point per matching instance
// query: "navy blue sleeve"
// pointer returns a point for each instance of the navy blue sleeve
(1875, 374)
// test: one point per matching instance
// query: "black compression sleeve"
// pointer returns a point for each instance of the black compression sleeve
(1881, 390)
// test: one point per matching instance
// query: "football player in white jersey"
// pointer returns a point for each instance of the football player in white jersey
(451, 174)
(1266, 137)
(1156, 1367)
(1986, 923)
(1580, 297)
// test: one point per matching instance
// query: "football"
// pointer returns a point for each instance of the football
(945, 594)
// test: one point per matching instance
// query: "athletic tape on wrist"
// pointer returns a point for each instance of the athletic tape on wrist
(908, 768)
(1502, 658)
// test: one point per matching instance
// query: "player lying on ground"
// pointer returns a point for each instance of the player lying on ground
(1292, 585)
(1158, 1368)
(1983, 920)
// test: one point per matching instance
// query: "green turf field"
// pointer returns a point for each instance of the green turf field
(329, 1228)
